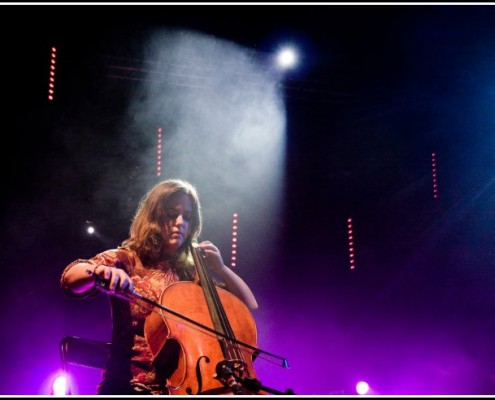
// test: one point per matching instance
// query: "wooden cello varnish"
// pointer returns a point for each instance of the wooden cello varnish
(186, 356)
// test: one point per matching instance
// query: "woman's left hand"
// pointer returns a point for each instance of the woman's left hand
(213, 256)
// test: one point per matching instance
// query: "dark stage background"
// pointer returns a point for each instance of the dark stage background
(379, 89)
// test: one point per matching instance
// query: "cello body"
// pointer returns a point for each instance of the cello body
(187, 357)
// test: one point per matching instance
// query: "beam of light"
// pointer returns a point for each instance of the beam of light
(225, 120)
(51, 78)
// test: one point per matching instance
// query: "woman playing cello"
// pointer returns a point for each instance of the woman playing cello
(155, 256)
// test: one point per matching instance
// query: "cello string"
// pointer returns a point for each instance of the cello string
(228, 348)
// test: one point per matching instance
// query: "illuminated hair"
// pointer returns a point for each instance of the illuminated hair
(145, 233)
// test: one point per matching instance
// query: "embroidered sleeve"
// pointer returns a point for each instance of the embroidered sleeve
(111, 258)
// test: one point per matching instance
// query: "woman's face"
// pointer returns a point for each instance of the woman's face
(176, 226)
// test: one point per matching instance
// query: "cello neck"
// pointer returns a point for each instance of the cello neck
(215, 307)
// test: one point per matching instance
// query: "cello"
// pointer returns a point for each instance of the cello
(203, 361)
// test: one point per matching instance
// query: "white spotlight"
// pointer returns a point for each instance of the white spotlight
(362, 387)
(59, 386)
(287, 58)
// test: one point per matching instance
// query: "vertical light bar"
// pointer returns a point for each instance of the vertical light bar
(233, 257)
(159, 153)
(51, 77)
(350, 242)
(434, 175)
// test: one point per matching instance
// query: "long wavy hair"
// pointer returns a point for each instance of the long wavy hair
(145, 232)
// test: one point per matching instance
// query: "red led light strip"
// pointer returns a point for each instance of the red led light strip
(159, 153)
(350, 242)
(434, 175)
(51, 78)
(233, 257)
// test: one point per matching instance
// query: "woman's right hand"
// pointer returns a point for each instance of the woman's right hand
(118, 280)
